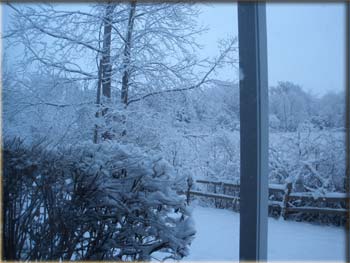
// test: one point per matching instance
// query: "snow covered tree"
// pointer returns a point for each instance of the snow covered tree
(128, 50)
(290, 104)
(331, 110)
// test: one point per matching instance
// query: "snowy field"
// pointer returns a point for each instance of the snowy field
(217, 238)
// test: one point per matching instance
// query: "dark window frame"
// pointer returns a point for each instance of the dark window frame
(254, 131)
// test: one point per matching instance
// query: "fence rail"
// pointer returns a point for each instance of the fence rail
(332, 203)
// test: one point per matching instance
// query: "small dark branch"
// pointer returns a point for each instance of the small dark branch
(56, 104)
(58, 65)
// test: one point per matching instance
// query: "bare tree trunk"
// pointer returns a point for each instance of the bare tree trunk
(98, 100)
(127, 49)
(106, 73)
(106, 57)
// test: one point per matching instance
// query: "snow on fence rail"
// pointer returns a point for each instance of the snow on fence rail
(281, 198)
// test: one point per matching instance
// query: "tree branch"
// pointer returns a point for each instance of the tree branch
(54, 35)
(200, 83)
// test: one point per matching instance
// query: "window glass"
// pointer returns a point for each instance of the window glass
(306, 56)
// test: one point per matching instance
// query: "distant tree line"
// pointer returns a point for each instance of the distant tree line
(291, 108)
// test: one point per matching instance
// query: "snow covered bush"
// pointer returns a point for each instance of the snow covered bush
(314, 162)
(91, 202)
(314, 159)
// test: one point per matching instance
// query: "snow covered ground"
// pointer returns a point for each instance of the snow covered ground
(217, 238)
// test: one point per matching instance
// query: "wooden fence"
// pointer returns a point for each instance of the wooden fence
(282, 200)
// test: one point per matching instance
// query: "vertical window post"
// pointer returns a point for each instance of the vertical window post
(347, 115)
(254, 130)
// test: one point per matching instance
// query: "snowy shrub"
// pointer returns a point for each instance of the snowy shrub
(314, 159)
(91, 202)
(223, 156)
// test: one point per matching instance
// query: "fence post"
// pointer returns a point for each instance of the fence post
(286, 200)
(189, 186)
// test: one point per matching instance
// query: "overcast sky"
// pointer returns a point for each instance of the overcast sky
(306, 41)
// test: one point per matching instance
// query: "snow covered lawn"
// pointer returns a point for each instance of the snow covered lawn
(217, 238)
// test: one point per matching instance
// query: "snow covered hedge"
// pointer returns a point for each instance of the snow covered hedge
(91, 202)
